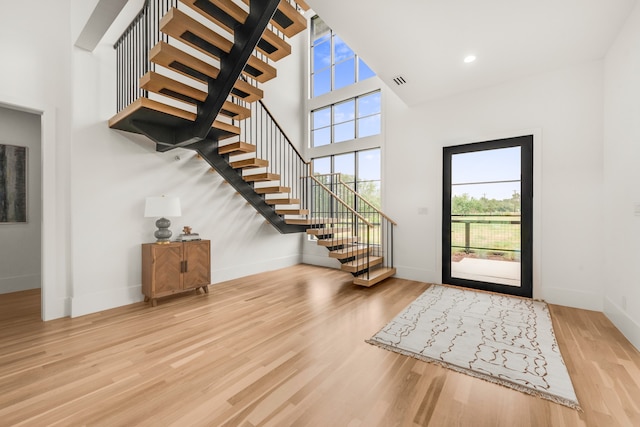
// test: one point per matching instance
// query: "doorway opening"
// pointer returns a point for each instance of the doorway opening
(487, 224)
(20, 214)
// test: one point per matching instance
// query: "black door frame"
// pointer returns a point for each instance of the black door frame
(526, 260)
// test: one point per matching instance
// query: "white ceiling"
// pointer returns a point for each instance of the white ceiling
(425, 41)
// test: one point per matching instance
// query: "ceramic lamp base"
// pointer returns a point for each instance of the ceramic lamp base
(163, 234)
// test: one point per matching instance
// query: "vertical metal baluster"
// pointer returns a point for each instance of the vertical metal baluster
(118, 82)
(134, 55)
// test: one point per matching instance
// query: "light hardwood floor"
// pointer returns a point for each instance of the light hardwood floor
(283, 348)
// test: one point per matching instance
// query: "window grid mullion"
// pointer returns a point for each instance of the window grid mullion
(356, 117)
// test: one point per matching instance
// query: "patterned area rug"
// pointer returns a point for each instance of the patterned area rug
(502, 339)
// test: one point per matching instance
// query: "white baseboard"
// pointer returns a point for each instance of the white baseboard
(573, 298)
(112, 298)
(629, 327)
(235, 272)
(417, 274)
(321, 261)
(105, 300)
(19, 283)
(56, 309)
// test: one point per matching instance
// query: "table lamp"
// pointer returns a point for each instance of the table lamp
(162, 206)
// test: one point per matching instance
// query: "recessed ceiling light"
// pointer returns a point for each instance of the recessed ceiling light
(470, 58)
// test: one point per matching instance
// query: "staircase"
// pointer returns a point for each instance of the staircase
(360, 238)
(188, 75)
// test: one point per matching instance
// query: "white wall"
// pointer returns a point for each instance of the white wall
(20, 243)
(563, 109)
(621, 180)
(113, 172)
(282, 95)
(35, 76)
(95, 179)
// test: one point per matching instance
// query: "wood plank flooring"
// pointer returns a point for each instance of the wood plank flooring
(283, 348)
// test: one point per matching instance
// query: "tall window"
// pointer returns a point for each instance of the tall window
(360, 170)
(334, 64)
(350, 112)
(357, 117)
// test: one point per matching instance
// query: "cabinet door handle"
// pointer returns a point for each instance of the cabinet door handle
(186, 266)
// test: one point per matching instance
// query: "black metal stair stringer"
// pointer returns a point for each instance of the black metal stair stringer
(208, 150)
(246, 38)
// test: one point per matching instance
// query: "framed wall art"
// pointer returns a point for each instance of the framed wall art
(13, 184)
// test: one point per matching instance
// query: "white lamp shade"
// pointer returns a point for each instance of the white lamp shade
(162, 206)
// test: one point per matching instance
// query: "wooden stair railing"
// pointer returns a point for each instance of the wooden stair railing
(362, 244)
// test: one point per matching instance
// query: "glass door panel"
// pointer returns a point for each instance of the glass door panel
(483, 232)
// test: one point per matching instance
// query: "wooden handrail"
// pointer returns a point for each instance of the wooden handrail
(382, 214)
(342, 202)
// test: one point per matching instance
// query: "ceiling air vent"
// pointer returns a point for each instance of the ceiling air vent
(399, 80)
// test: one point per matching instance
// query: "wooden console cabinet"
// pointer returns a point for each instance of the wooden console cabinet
(175, 267)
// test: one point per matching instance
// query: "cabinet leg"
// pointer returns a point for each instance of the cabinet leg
(206, 289)
(154, 302)
(146, 298)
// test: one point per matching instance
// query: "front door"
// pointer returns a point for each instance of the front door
(488, 215)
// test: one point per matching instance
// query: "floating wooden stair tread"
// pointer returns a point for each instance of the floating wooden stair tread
(181, 26)
(310, 221)
(235, 111)
(186, 29)
(177, 60)
(287, 19)
(249, 163)
(237, 148)
(337, 241)
(349, 252)
(163, 85)
(272, 46)
(246, 91)
(273, 190)
(224, 13)
(261, 177)
(259, 70)
(158, 83)
(361, 264)
(374, 276)
(328, 231)
(227, 14)
(292, 211)
(151, 111)
(282, 201)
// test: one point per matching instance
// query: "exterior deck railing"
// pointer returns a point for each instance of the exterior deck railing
(491, 234)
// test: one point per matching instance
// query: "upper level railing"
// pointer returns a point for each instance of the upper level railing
(132, 50)
(133, 46)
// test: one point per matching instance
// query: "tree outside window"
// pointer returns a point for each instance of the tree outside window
(360, 170)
